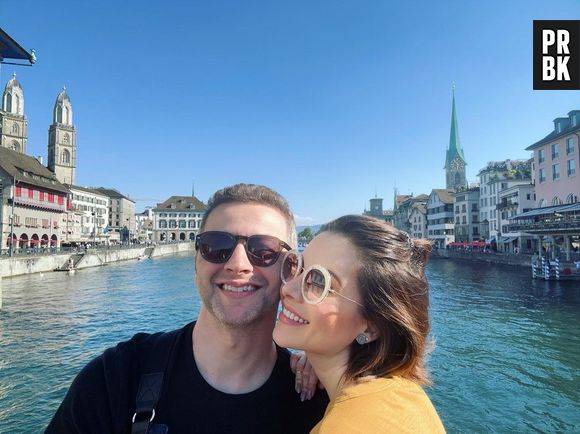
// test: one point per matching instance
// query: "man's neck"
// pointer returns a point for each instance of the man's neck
(233, 360)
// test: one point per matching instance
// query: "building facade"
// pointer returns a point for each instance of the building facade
(494, 178)
(403, 210)
(178, 219)
(13, 123)
(440, 223)
(466, 214)
(418, 220)
(121, 224)
(513, 201)
(144, 223)
(556, 163)
(92, 208)
(34, 204)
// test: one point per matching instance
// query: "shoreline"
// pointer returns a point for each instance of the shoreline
(31, 264)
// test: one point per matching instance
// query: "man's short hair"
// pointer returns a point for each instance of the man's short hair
(252, 193)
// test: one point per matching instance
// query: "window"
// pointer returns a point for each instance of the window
(556, 201)
(541, 156)
(555, 171)
(163, 224)
(30, 193)
(463, 208)
(65, 157)
(182, 223)
(464, 220)
(457, 208)
(570, 146)
(172, 224)
(571, 167)
(555, 152)
(15, 129)
(542, 176)
(18, 190)
(51, 197)
(572, 198)
(66, 139)
(41, 195)
(61, 200)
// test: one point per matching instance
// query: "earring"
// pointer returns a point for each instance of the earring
(362, 339)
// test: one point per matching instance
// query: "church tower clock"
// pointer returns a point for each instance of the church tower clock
(62, 141)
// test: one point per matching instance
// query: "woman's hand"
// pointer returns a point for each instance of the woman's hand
(306, 379)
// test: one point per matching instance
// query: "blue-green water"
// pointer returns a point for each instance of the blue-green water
(507, 355)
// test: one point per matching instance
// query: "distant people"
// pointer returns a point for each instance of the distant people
(356, 301)
(219, 374)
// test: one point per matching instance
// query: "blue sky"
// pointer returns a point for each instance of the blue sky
(327, 102)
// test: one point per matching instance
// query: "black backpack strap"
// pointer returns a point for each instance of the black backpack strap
(154, 360)
(147, 397)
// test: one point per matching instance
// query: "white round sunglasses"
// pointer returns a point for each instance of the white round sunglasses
(316, 279)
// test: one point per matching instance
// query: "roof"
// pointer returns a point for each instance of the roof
(181, 203)
(420, 206)
(548, 210)
(62, 96)
(446, 196)
(455, 148)
(554, 135)
(112, 193)
(506, 165)
(87, 189)
(28, 170)
(10, 49)
(13, 83)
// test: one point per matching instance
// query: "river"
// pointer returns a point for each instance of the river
(506, 355)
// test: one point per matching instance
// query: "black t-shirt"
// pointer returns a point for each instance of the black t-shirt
(101, 399)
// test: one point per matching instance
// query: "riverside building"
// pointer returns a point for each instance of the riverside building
(556, 163)
(121, 224)
(494, 178)
(466, 214)
(178, 218)
(92, 209)
(34, 204)
(440, 224)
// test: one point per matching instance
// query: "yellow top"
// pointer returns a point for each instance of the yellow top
(380, 405)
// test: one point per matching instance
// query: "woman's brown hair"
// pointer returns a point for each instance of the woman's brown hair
(395, 296)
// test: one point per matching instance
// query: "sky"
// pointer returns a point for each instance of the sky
(328, 102)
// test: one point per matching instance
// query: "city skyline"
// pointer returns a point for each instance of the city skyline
(325, 103)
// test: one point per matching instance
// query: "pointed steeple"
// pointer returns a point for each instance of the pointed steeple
(455, 148)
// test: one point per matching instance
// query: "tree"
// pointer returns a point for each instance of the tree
(305, 235)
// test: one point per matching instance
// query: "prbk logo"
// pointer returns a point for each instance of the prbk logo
(557, 55)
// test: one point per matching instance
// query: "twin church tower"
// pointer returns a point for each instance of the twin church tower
(62, 140)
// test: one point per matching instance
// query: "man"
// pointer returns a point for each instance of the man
(222, 373)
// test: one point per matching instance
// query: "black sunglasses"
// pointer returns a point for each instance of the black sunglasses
(217, 247)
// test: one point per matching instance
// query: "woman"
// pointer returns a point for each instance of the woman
(356, 301)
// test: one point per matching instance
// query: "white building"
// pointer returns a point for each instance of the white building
(440, 225)
(93, 209)
(178, 218)
(513, 201)
(494, 178)
(466, 214)
(144, 225)
(418, 220)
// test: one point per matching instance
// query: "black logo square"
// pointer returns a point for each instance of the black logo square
(557, 55)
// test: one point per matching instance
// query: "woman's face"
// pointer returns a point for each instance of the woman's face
(330, 327)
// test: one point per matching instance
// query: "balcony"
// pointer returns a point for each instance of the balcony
(506, 204)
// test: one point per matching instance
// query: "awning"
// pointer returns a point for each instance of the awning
(548, 210)
(506, 240)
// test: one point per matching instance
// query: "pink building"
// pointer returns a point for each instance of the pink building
(557, 164)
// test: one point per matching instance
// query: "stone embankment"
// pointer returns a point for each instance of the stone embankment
(516, 260)
(28, 264)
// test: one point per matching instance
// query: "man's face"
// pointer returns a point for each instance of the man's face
(238, 293)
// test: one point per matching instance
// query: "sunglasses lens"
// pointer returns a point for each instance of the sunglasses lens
(289, 267)
(263, 251)
(216, 247)
(314, 284)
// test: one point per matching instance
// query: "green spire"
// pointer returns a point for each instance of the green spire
(454, 143)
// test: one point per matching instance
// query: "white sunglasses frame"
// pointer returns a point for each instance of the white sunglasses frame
(321, 269)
